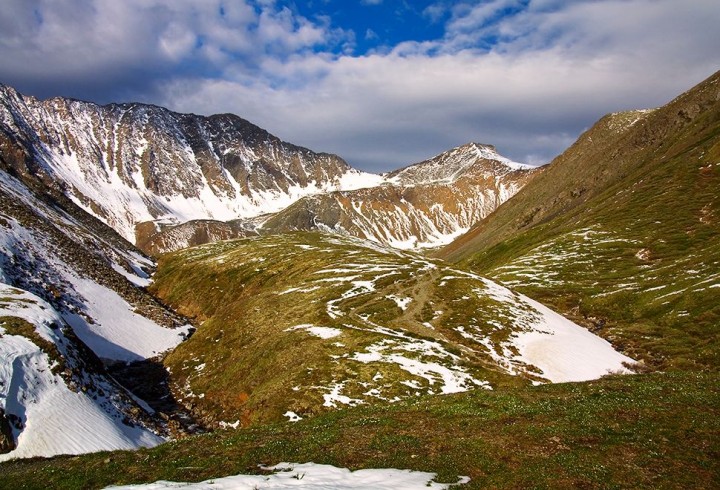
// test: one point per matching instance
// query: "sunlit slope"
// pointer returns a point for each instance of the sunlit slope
(301, 323)
(622, 232)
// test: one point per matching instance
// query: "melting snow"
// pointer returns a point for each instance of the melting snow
(116, 332)
(401, 302)
(57, 420)
(316, 476)
(292, 416)
(322, 332)
(334, 397)
(137, 279)
(565, 351)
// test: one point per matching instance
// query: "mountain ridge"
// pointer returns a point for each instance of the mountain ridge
(634, 203)
(132, 164)
(148, 162)
(424, 205)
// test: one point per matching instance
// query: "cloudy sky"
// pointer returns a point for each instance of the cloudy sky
(382, 83)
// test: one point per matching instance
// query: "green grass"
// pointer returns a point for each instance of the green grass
(641, 431)
(246, 363)
(647, 276)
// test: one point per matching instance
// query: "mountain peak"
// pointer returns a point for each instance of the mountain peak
(132, 163)
(448, 166)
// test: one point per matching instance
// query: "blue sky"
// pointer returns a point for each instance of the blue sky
(382, 83)
(380, 25)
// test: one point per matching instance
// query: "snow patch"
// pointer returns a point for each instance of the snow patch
(402, 302)
(316, 476)
(56, 419)
(116, 332)
(322, 332)
(292, 416)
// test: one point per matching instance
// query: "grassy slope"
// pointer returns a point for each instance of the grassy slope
(630, 243)
(245, 363)
(642, 431)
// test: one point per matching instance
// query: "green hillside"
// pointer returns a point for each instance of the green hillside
(622, 233)
(297, 324)
(642, 431)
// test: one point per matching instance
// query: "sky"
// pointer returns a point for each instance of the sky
(382, 83)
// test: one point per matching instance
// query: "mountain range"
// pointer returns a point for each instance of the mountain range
(298, 315)
(166, 180)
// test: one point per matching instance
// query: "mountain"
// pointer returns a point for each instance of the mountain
(424, 205)
(296, 324)
(75, 321)
(621, 232)
(166, 181)
(155, 238)
(346, 352)
(131, 163)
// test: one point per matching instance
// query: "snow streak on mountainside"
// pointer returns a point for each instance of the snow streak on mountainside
(421, 206)
(131, 163)
(449, 167)
(68, 283)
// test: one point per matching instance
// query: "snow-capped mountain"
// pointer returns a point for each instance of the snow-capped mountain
(131, 163)
(456, 164)
(424, 205)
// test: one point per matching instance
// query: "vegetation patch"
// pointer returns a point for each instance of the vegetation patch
(305, 322)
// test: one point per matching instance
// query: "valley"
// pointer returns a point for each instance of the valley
(195, 298)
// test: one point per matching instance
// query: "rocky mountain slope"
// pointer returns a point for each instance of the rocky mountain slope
(297, 324)
(131, 163)
(166, 181)
(72, 310)
(424, 205)
(621, 232)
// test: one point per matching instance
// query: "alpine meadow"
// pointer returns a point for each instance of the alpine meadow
(189, 300)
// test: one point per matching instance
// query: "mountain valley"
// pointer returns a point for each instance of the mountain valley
(201, 298)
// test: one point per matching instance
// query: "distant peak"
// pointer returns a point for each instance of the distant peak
(489, 152)
(478, 146)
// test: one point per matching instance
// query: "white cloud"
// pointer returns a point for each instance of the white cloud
(97, 42)
(435, 11)
(553, 74)
(528, 78)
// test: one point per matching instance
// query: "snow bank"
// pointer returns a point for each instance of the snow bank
(565, 351)
(316, 476)
(116, 332)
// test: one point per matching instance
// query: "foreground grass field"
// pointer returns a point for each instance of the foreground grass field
(639, 431)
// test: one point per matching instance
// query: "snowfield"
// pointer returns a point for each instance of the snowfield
(116, 332)
(53, 419)
(55, 396)
(564, 351)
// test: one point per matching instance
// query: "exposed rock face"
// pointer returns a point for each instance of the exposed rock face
(154, 238)
(130, 163)
(7, 442)
(424, 205)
